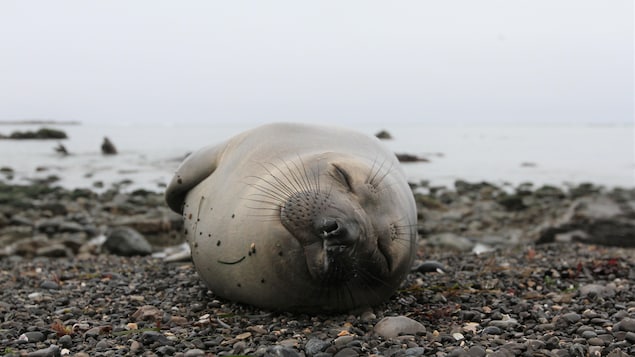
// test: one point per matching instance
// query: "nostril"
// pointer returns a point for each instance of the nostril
(330, 227)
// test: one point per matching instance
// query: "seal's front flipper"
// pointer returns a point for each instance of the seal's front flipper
(193, 170)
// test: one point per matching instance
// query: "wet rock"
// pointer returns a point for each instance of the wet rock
(126, 241)
(108, 148)
(410, 158)
(394, 326)
(384, 135)
(49, 284)
(148, 313)
(596, 290)
(42, 133)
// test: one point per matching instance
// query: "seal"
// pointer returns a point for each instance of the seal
(297, 217)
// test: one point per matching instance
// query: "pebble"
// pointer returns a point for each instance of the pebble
(476, 351)
(394, 326)
(33, 336)
(51, 351)
(49, 284)
(492, 330)
(194, 353)
(65, 341)
(315, 345)
(627, 324)
(126, 241)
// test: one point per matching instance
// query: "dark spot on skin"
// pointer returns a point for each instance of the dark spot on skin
(189, 216)
(238, 285)
(280, 253)
(249, 254)
(200, 233)
(195, 244)
(218, 244)
(179, 181)
(210, 235)
(185, 232)
(233, 215)
(262, 281)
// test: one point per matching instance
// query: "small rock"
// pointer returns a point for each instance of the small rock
(343, 340)
(596, 290)
(33, 336)
(383, 135)
(127, 242)
(415, 351)
(506, 323)
(346, 352)
(571, 317)
(492, 330)
(108, 148)
(51, 351)
(595, 341)
(627, 324)
(394, 326)
(151, 337)
(315, 345)
(102, 345)
(148, 313)
(476, 351)
(49, 284)
(194, 353)
(65, 341)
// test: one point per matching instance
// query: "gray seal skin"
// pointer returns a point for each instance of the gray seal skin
(298, 218)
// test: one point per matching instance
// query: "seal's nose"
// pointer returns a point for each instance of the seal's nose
(334, 232)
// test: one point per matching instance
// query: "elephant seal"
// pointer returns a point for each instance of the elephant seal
(298, 218)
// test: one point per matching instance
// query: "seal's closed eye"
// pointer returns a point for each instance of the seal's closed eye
(343, 176)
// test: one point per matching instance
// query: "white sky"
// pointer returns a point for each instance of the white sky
(335, 61)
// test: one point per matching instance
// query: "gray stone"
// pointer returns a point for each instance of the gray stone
(49, 284)
(415, 351)
(126, 241)
(34, 336)
(65, 341)
(596, 290)
(194, 353)
(51, 351)
(476, 351)
(315, 345)
(627, 324)
(492, 330)
(394, 326)
(347, 352)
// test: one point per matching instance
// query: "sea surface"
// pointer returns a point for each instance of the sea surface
(508, 155)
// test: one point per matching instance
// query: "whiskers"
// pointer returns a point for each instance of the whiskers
(282, 180)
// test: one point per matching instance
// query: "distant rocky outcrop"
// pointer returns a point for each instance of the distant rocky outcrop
(43, 133)
(108, 148)
(383, 135)
(410, 158)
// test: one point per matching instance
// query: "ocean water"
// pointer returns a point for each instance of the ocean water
(500, 154)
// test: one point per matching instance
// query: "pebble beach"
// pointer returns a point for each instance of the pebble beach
(534, 271)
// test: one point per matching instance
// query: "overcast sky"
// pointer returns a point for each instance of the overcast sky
(335, 61)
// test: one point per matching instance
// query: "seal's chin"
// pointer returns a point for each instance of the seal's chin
(330, 265)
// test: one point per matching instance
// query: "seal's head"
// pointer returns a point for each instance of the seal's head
(354, 222)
